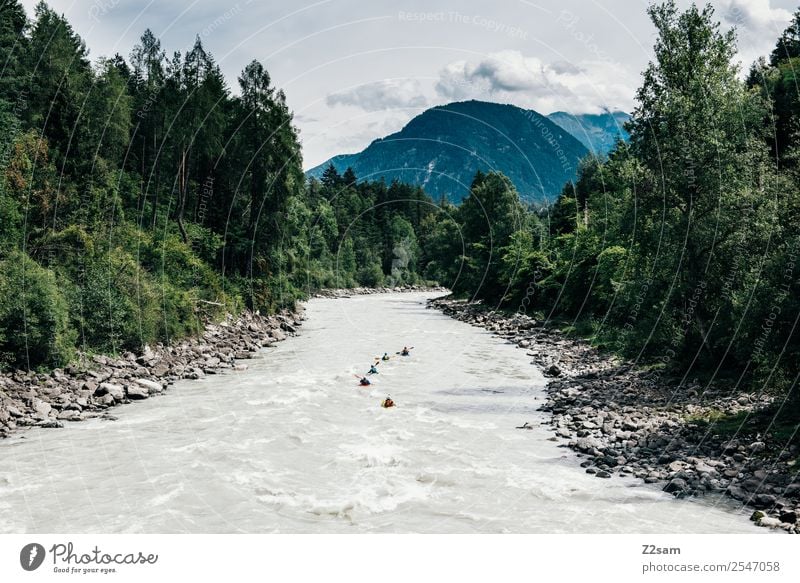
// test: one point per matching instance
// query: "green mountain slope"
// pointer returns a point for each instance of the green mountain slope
(442, 148)
(598, 132)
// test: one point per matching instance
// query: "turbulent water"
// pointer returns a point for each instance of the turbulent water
(295, 445)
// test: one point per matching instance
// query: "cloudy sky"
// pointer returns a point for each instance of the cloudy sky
(357, 70)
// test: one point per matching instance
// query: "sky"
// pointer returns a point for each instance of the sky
(354, 71)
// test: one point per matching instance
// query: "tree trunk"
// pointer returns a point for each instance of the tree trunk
(182, 197)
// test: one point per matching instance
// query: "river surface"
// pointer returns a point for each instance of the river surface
(295, 445)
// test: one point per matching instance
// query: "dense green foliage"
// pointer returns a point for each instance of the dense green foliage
(140, 197)
(680, 247)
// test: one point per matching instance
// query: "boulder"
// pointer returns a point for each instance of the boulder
(738, 493)
(792, 490)
(676, 466)
(138, 392)
(42, 407)
(161, 369)
(552, 371)
(106, 400)
(769, 522)
(116, 391)
(151, 386)
(764, 501)
(676, 486)
(69, 415)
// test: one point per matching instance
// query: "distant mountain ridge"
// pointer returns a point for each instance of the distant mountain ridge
(598, 132)
(442, 148)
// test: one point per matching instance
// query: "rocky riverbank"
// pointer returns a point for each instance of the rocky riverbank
(627, 421)
(363, 291)
(95, 384)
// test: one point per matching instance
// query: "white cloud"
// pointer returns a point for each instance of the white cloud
(758, 26)
(588, 86)
(754, 15)
(381, 95)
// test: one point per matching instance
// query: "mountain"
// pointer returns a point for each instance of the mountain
(597, 132)
(442, 148)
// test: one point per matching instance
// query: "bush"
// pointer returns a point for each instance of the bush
(371, 275)
(34, 318)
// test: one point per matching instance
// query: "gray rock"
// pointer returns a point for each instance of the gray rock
(738, 493)
(792, 490)
(151, 386)
(69, 415)
(676, 486)
(764, 501)
(106, 400)
(676, 466)
(552, 371)
(116, 391)
(138, 392)
(41, 407)
(770, 522)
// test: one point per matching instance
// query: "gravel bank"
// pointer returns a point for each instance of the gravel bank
(95, 384)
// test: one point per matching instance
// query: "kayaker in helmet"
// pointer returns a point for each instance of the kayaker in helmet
(387, 402)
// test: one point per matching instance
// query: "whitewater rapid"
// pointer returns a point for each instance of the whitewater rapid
(295, 445)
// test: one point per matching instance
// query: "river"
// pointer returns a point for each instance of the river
(295, 445)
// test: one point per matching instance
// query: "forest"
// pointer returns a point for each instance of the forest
(141, 197)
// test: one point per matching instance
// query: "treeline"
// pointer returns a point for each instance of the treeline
(681, 248)
(141, 196)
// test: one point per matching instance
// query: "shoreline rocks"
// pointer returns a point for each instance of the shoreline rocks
(91, 386)
(624, 420)
(365, 291)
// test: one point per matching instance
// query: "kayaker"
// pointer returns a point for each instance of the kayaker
(387, 402)
(373, 369)
(364, 381)
(405, 351)
(385, 356)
